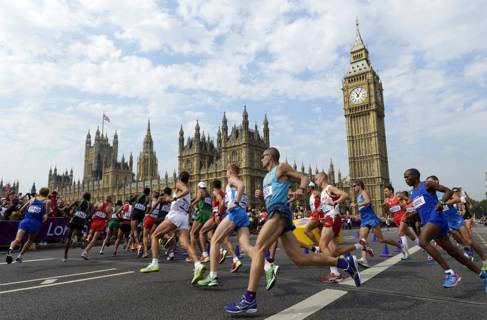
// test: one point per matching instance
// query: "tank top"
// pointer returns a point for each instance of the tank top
(81, 211)
(114, 213)
(328, 205)
(275, 191)
(126, 212)
(394, 205)
(141, 202)
(37, 209)
(204, 204)
(365, 211)
(182, 204)
(231, 195)
(314, 202)
(448, 210)
(424, 202)
(215, 204)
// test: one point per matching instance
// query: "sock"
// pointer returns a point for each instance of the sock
(404, 241)
(205, 254)
(358, 246)
(270, 260)
(267, 266)
(249, 295)
(342, 264)
(267, 254)
(197, 264)
(449, 271)
(334, 270)
(416, 241)
(155, 262)
(213, 274)
(235, 259)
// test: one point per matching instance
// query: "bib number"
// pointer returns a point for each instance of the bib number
(80, 214)
(126, 215)
(139, 206)
(419, 202)
(267, 191)
(395, 209)
(100, 214)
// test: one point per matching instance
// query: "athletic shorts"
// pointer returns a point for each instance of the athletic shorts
(238, 215)
(411, 218)
(76, 223)
(284, 212)
(203, 216)
(138, 215)
(113, 224)
(179, 219)
(149, 222)
(125, 226)
(439, 220)
(98, 225)
(31, 226)
(455, 221)
(398, 217)
(316, 216)
(370, 222)
(333, 222)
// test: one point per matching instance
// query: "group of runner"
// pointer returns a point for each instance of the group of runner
(429, 209)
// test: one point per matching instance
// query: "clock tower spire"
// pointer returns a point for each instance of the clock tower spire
(364, 115)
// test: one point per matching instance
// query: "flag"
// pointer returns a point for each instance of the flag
(105, 118)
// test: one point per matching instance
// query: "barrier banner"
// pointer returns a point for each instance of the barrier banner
(54, 229)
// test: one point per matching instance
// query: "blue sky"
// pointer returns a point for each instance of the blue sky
(63, 63)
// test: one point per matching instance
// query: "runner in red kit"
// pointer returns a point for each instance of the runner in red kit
(98, 224)
(314, 222)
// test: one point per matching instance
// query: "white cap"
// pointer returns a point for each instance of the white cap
(311, 184)
(201, 184)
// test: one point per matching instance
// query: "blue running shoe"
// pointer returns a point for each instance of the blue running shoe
(451, 280)
(242, 305)
(485, 282)
(352, 268)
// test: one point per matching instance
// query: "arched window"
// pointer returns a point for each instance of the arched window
(235, 158)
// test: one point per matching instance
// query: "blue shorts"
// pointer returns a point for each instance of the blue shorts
(455, 221)
(440, 221)
(238, 215)
(370, 222)
(31, 226)
(284, 212)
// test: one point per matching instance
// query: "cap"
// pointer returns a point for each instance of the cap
(311, 184)
(201, 184)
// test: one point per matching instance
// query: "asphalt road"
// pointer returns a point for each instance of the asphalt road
(106, 287)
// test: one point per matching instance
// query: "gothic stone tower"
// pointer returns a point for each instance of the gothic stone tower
(147, 162)
(206, 161)
(364, 113)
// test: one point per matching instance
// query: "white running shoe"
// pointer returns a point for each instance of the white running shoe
(363, 262)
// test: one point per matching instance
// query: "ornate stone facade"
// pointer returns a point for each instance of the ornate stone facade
(207, 160)
(364, 114)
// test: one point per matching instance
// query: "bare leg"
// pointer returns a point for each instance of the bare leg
(378, 233)
(221, 232)
(471, 242)
(453, 251)
(364, 233)
(312, 224)
(428, 233)
(18, 239)
(164, 228)
(93, 241)
(195, 229)
(28, 243)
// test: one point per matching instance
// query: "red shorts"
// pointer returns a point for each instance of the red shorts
(398, 217)
(316, 216)
(98, 225)
(149, 222)
(333, 222)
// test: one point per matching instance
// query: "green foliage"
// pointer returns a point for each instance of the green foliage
(480, 207)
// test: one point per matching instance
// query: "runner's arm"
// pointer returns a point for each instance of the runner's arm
(236, 182)
(285, 170)
(342, 195)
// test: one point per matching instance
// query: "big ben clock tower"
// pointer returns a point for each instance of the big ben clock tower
(364, 113)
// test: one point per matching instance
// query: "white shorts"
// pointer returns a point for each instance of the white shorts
(179, 219)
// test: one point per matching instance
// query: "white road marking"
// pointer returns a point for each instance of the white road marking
(313, 304)
(48, 281)
(34, 260)
(371, 272)
(309, 306)
(66, 282)
(57, 277)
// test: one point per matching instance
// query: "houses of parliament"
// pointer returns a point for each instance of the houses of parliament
(207, 159)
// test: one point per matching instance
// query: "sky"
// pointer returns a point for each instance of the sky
(64, 63)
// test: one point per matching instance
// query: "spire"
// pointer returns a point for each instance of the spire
(148, 143)
(224, 120)
(358, 43)
(181, 131)
(181, 138)
(115, 136)
(266, 131)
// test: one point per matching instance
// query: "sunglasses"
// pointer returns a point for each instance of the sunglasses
(354, 185)
(264, 155)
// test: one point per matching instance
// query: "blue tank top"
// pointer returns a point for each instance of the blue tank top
(231, 195)
(275, 191)
(424, 202)
(37, 209)
(448, 210)
(366, 211)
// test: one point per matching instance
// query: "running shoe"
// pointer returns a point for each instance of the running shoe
(484, 267)
(271, 276)
(235, 266)
(242, 305)
(363, 262)
(223, 255)
(208, 281)
(367, 249)
(150, 268)
(451, 280)
(485, 283)
(170, 256)
(188, 260)
(64, 259)
(19, 259)
(9, 257)
(162, 247)
(352, 269)
(405, 254)
(204, 259)
(101, 252)
(332, 278)
(199, 271)
(84, 255)
(114, 254)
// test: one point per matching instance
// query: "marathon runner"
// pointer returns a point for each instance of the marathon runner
(314, 220)
(113, 225)
(202, 203)
(82, 211)
(138, 214)
(124, 230)
(98, 223)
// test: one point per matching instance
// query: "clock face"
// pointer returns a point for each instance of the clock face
(358, 95)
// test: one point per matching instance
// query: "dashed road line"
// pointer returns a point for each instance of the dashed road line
(34, 260)
(58, 277)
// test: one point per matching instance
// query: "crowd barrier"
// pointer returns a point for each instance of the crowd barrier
(54, 229)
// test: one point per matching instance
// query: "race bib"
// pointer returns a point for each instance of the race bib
(114, 216)
(446, 207)
(267, 191)
(418, 202)
(100, 214)
(395, 209)
(139, 206)
(126, 215)
(326, 208)
(80, 214)
(208, 200)
(410, 209)
(34, 209)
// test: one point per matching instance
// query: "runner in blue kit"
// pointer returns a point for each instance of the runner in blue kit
(279, 225)
(36, 214)
(430, 210)
(369, 222)
(456, 224)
